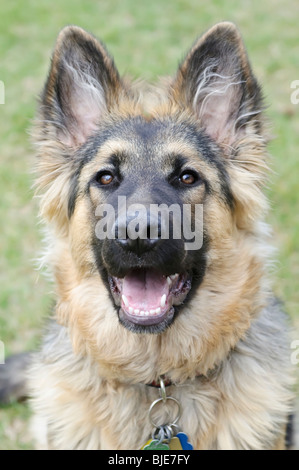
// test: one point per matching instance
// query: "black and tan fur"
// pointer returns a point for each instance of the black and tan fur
(225, 350)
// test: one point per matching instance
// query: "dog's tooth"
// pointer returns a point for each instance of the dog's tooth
(163, 300)
(174, 276)
(142, 313)
(131, 310)
(136, 311)
(158, 311)
(125, 300)
(152, 312)
(169, 281)
(146, 313)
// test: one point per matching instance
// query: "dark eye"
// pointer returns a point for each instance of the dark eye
(104, 178)
(188, 177)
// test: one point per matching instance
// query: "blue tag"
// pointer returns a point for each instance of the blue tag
(184, 441)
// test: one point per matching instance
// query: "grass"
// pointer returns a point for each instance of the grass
(147, 39)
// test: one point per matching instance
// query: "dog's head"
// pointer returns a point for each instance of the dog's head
(107, 165)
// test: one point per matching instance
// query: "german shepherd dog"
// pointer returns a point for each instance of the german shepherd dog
(133, 312)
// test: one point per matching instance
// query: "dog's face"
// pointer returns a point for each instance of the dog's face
(153, 164)
(187, 151)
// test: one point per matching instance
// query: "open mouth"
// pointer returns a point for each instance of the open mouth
(148, 297)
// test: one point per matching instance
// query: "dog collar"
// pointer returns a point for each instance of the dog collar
(167, 382)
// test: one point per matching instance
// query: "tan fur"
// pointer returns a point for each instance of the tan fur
(90, 385)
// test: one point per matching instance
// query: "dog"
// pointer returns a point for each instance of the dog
(138, 316)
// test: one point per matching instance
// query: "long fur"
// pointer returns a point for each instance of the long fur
(227, 353)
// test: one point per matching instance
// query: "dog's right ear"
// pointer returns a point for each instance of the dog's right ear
(82, 83)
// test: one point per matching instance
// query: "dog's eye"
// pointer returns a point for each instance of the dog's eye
(188, 178)
(104, 178)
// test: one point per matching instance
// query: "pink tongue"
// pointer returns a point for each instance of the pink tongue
(144, 288)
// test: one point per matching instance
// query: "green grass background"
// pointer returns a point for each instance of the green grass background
(148, 39)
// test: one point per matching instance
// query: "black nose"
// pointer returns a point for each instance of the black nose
(138, 245)
(139, 237)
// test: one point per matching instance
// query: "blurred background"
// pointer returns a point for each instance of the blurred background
(147, 39)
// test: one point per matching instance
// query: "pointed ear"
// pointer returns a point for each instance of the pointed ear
(82, 84)
(216, 82)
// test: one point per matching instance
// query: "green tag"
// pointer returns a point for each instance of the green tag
(155, 445)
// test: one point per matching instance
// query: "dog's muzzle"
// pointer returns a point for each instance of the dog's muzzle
(145, 275)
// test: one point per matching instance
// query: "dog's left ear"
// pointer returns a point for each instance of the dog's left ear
(215, 80)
